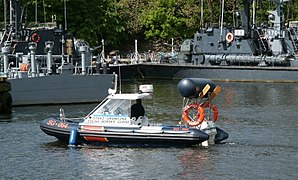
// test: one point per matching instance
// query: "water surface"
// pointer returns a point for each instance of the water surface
(261, 120)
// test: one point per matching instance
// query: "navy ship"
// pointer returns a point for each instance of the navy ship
(243, 52)
(46, 65)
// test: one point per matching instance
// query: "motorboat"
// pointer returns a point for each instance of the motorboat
(111, 122)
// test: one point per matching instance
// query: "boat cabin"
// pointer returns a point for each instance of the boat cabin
(115, 110)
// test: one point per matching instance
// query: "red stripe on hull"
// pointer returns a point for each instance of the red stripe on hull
(97, 139)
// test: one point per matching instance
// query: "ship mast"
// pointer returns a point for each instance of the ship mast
(5, 12)
(246, 18)
(276, 17)
(222, 19)
(36, 12)
(15, 18)
(10, 14)
(254, 13)
(65, 19)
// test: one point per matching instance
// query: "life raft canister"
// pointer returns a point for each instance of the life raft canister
(213, 108)
(35, 37)
(230, 37)
(197, 119)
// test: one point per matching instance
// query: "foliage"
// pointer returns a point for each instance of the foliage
(95, 20)
(119, 21)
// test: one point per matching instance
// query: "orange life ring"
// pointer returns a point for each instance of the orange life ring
(214, 109)
(35, 37)
(230, 37)
(198, 119)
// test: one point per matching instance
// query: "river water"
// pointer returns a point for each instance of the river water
(261, 120)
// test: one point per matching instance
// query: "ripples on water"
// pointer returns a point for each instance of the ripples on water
(260, 118)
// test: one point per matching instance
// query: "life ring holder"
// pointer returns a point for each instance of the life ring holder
(213, 108)
(198, 119)
(230, 37)
(35, 37)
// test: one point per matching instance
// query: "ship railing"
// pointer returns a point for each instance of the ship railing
(12, 72)
(77, 120)
(100, 58)
(46, 25)
(262, 38)
(1, 65)
(5, 38)
(294, 39)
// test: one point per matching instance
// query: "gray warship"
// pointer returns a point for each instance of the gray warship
(45, 65)
(243, 52)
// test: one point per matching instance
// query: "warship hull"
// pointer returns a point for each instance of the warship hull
(216, 73)
(61, 89)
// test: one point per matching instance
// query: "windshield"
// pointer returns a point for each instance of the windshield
(120, 108)
(115, 107)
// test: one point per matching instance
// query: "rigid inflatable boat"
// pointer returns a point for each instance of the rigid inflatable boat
(112, 121)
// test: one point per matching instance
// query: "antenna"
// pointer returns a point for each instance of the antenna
(222, 17)
(5, 13)
(102, 51)
(10, 15)
(36, 12)
(119, 78)
(65, 19)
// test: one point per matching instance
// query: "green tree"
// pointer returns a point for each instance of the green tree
(121, 21)
(166, 19)
(95, 20)
(132, 13)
